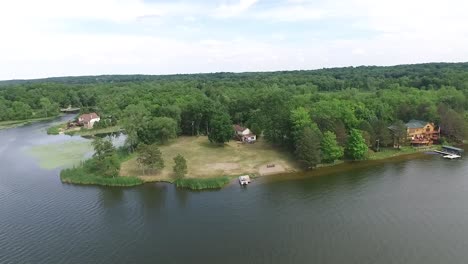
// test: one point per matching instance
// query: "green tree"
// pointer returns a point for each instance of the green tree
(453, 125)
(158, 130)
(300, 119)
(21, 111)
(48, 108)
(102, 148)
(308, 147)
(180, 167)
(331, 151)
(383, 136)
(109, 166)
(149, 156)
(132, 118)
(356, 148)
(220, 128)
(400, 133)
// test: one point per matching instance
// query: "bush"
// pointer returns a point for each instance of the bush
(54, 130)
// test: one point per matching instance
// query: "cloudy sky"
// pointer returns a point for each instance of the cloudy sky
(90, 37)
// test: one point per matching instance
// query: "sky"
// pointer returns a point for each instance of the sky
(50, 38)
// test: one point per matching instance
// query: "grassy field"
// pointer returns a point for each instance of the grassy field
(17, 123)
(206, 160)
(64, 154)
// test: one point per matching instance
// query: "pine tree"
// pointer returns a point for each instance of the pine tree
(308, 147)
(149, 156)
(180, 167)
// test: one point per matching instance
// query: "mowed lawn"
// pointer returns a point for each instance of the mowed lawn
(205, 160)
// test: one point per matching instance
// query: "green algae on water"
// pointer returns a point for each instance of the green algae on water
(64, 154)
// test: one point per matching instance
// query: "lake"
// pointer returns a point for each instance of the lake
(398, 211)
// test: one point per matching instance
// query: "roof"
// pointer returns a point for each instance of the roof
(239, 128)
(87, 117)
(452, 148)
(413, 123)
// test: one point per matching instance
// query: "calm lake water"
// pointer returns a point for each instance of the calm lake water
(400, 211)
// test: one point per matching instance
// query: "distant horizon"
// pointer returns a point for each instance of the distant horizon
(87, 37)
(232, 72)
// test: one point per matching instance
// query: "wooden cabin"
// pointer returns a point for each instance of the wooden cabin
(422, 132)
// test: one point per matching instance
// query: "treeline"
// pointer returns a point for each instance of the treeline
(285, 107)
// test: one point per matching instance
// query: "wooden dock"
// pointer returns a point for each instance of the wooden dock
(448, 155)
(70, 110)
(442, 152)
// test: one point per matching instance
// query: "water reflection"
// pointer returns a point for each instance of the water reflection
(153, 195)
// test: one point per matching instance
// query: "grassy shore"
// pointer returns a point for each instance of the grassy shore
(93, 132)
(386, 153)
(56, 129)
(211, 166)
(203, 183)
(80, 176)
(87, 173)
(206, 160)
(17, 123)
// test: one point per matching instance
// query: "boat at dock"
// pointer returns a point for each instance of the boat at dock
(244, 179)
(449, 152)
(451, 156)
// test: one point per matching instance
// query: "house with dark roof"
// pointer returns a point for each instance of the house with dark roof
(422, 132)
(244, 134)
(88, 120)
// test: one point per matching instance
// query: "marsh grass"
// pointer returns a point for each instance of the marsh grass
(87, 173)
(55, 130)
(93, 132)
(203, 183)
(80, 175)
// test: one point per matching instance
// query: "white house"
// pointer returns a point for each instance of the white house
(244, 134)
(88, 120)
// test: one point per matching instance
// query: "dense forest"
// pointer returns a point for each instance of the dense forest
(299, 110)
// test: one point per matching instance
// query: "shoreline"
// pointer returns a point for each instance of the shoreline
(18, 123)
(200, 184)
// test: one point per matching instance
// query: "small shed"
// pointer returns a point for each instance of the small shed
(244, 134)
(453, 150)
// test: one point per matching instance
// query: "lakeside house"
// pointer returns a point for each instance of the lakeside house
(421, 133)
(244, 134)
(88, 120)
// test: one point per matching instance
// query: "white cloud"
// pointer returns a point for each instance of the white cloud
(291, 13)
(400, 31)
(230, 10)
